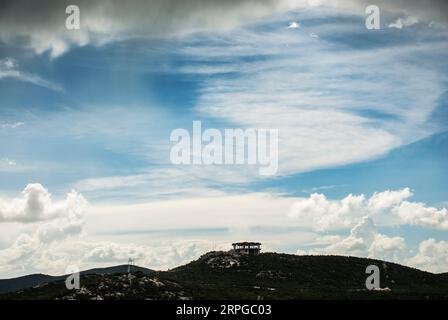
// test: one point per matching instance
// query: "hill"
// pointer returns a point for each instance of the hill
(32, 280)
(226, 275)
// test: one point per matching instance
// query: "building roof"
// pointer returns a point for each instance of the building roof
(246, 244)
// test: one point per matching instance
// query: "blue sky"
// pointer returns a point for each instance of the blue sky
(362, 119)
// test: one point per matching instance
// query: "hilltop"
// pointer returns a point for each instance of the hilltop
(227, 275)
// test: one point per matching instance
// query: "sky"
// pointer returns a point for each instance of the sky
(86, 116)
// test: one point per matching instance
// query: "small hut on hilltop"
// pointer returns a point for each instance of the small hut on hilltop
(247, 247)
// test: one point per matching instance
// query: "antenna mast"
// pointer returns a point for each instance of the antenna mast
(131, 263)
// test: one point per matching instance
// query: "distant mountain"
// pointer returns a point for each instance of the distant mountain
(116, 269)
(14, 284)
(227, 275)
(20, 283)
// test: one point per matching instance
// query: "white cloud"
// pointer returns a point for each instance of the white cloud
(12, 165)
(8, 63)
(163, 255)
(105, 21)
(387, 248)
(12, 125)
(365, 241)
(389, 198)
(318, 115)
(331, 107)
(417, 213)
(112, 252)
(390, 207)
(36, 204)
(113, 233)
(324, 214)
(294, 25)
(400, 23)
(53, 223)
(9, 69)
(7, 163)
(166, 182)
(314, 189)
(432, 255)
(326, 240)
(20, 251)
(28, 255)
(238, 211)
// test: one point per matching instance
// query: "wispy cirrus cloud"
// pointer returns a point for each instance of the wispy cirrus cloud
(333, 104)
(9, 165)
(11, 125)
(9, 68)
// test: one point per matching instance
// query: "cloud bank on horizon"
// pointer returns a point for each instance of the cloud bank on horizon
(56, 235)
(101, 101)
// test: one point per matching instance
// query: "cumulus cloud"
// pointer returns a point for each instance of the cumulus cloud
(324, 214)
(112, 252)
(41, 25)
(53, 220)
(28, 254)
(365, 241)
(51, 245)
(387, 248)
(417, 213)
(388, 199)
(162, 255)
(36, 204)
(432, 255)
(52, 223)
